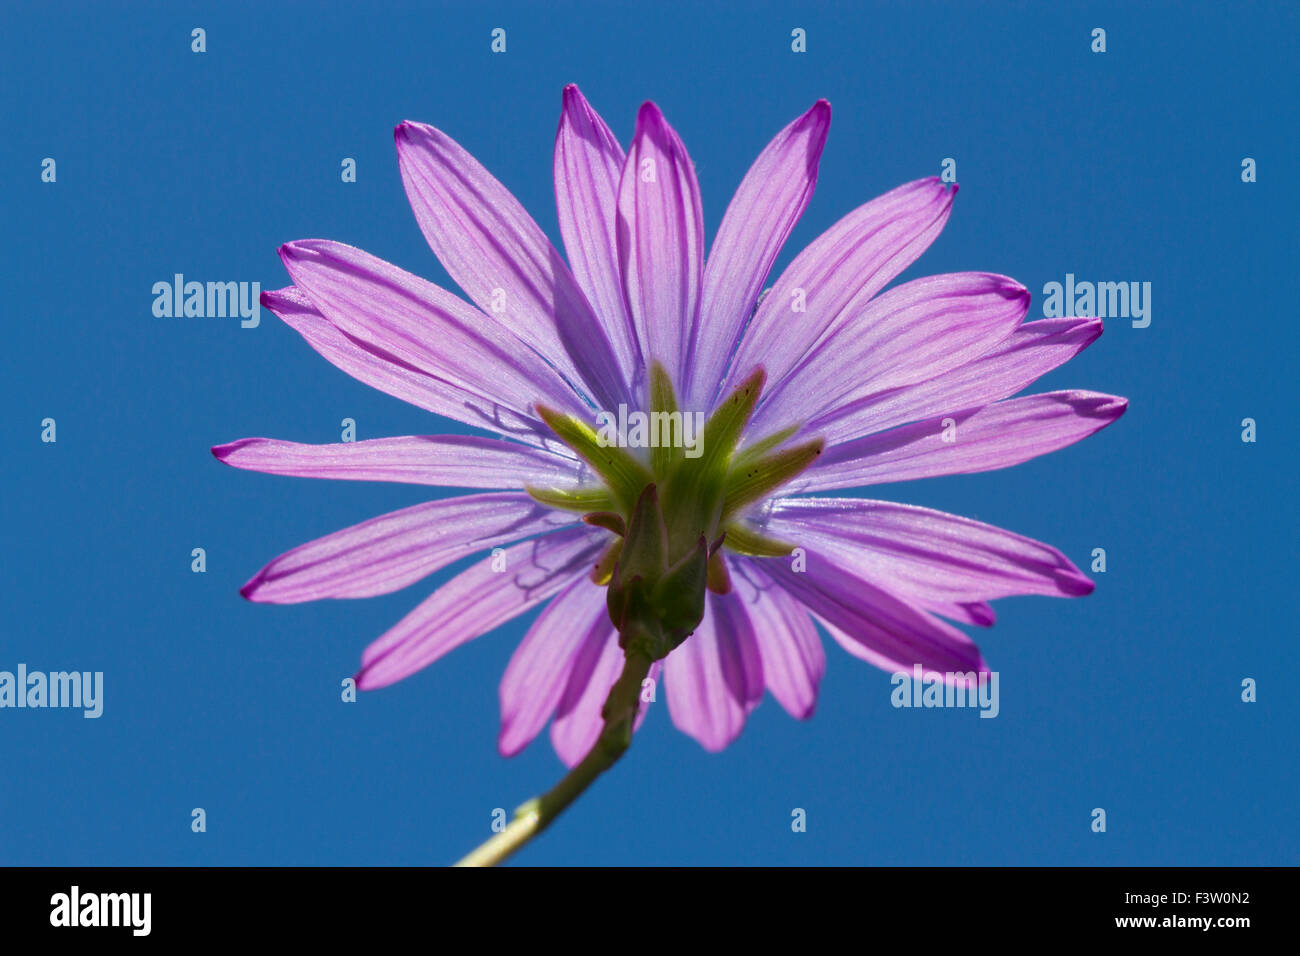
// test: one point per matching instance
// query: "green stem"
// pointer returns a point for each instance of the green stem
(536, 815)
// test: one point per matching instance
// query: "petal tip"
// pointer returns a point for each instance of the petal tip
(1113, 405)
(819, 113)
(942, 190)
(371, 676)
(1076, 584)
(1095, 404)
(291, 251)
(649, 115)
(1008, 287)
(409, 134)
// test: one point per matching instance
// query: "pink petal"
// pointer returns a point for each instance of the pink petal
(925, 553)
(500, 257)
(792, 654)
(1029, 352)
(837, 274)
(715, 677)
(974, 613)
(660, 240)
(905, 336)
(995, 436)
(578, 720)
(882, 628)
(423, 327)
(742, 662)
(463, 461)
(478, 600)
(770, 200)
(864, 652)
(375, 367)
(399, 548)
(588, 164)
(539, 670)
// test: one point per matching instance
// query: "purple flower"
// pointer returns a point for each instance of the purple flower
(822, 382)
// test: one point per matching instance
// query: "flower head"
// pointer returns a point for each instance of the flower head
(704, 550)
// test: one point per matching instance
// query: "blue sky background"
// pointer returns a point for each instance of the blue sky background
(1122, 166)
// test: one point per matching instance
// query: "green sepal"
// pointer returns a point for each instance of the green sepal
(723, 429)
(590, 498)
(745, 540)
(719, 578)
(641, 561)
(609, 520)
(695, 505)
(679, 596)
(645, 547)
(696, 489)
(603, 570)
(662, 399)
(752, 453)
(746, 485)
(624, 474)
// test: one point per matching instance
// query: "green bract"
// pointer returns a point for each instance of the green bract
(673, 514)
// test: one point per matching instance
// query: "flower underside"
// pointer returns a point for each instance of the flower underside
(672, 512)
(885, 376)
